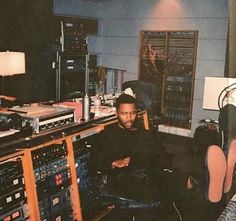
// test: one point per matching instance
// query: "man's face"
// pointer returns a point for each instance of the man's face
(126, 115)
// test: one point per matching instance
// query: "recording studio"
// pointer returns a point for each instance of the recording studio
(63, 67)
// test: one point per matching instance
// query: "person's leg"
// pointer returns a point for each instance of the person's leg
(231, 160)
(216, 171)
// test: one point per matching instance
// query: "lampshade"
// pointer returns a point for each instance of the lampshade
(12, 63)
(212, 89)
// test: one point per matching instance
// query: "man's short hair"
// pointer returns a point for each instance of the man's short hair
(125, 99)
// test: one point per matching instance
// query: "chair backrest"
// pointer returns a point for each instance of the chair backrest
(146, 95)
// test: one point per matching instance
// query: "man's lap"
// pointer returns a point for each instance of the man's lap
(147, 186)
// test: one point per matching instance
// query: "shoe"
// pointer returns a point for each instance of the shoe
(231, 160)
(216, 167)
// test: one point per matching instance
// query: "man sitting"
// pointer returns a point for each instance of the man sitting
(129, 155)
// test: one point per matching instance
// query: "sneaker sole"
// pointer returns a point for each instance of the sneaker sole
(231, 160)
(216, 166)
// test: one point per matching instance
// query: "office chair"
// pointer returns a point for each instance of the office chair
(146, 94)
(147, 97)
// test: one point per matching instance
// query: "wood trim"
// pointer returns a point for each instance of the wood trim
(75, 198)
(145, 120)
(32, 198)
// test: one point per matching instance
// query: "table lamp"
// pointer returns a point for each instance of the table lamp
(11, 63)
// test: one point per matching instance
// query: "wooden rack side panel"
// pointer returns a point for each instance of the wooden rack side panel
(32, 197)
(75, 198)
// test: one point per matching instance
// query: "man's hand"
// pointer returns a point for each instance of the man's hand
(120, 163)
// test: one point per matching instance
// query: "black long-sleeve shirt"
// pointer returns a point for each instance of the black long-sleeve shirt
(117, 143)
(144, 178)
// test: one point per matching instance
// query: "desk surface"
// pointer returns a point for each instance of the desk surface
(13, 142)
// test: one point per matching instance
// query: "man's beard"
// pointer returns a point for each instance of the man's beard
(127, 126)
